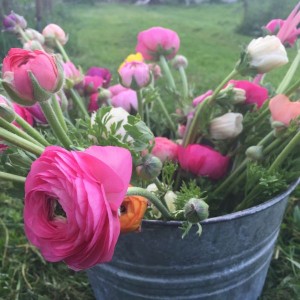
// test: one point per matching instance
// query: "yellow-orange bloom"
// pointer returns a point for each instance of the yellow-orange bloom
(132, 57)
(133, 209)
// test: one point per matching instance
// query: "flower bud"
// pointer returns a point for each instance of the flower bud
(262, 55)
(170, 198)
(155, 70)
(53, 32)
(104, 95)
(227, 126)
(149, 167)
(34, 35)
(196, 210)
(135, 75)
(32, 45)
(72, 74)
(239, 96)
(6, 110)
(255, 153)
(13, 21)
(179, 61)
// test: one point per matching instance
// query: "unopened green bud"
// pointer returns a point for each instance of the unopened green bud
(196, 210)
(255, 153)
(149, 167)
(179, 61)
(104, 95)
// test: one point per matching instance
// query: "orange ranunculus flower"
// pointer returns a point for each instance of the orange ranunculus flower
(283, 110)
(132, 212)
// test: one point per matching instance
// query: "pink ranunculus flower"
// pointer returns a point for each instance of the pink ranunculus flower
(102, 73)
(157, 41)
(203, 161)
(71, 203)
(91, 84)
(53, 32)
(16, 69)
(202, 97)
(72, 74)
(283, 110)
(24, 113)
(255, 94)
(135, 75)
(165, 149)
(124, 97)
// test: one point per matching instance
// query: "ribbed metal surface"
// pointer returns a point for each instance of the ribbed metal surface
(229, 261)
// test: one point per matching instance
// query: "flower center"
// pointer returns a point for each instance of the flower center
(55, 209)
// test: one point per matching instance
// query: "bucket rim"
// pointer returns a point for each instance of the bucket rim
(236, 215)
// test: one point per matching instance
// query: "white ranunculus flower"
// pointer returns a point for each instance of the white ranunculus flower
(266, 53)
(118, 115)
(227, 126)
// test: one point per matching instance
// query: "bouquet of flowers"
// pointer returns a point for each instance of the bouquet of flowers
(97, 158)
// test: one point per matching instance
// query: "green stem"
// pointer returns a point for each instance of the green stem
(62, 50)
(77, 99)
(166, 114)
(10, 127)
(12, 177)
(147, 115)
(289, 75)
(22, 34)
(31, 131)
(58, 112)
(158, 184)
(185, 86)
(292, 89)
(54, 124)
(286, 151)
(152, 198)
(193, 129)
(140, 103)
(167, 72)
(20, 142)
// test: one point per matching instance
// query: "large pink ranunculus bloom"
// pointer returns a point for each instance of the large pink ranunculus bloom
(157, 41)
(102, 73)
(71, 203)
(203, 161)
(124, 97)
(283, 110)
(165, 149)
(255, 94)
(15, 72)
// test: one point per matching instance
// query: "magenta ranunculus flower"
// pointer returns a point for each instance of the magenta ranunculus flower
(102, 73)
(255, 94)
(16, 70)
(135, 75)
(24, 113)
(124, 97)
(91, 84)
(71, 203)
(12, 21)
(165, 149)
(157, 41)
(203, 161)
(93, 102)
(202, 97)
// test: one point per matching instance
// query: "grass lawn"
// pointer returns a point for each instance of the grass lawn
(103, 35)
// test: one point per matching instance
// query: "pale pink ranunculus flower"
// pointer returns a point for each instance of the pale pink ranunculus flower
(71, 203)
(124, 97)
(72, 73)
(165, 149)
(283, 110)
(52, 32)
(202, 97)
(15, 72)
(203, 161)
(135, 75)
(255, 94)
(157, 41)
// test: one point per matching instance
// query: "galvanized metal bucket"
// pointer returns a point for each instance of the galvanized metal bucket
(229, 261)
